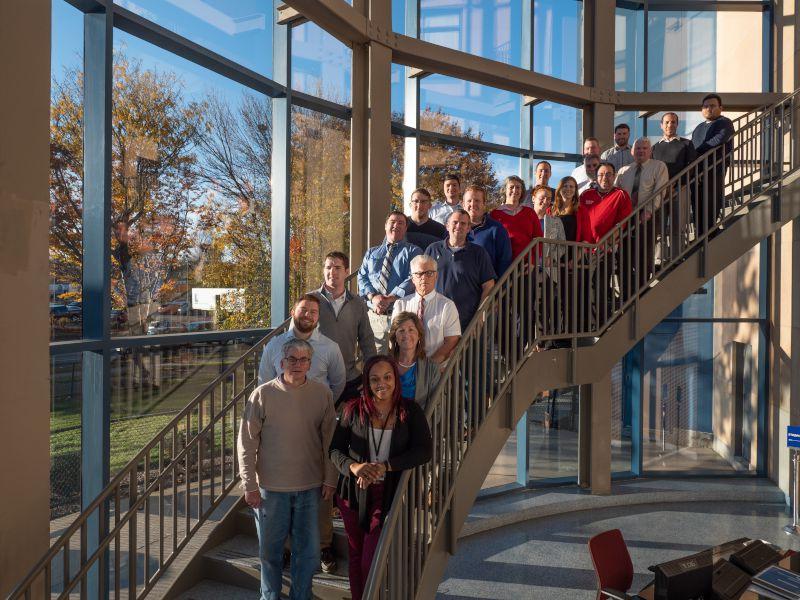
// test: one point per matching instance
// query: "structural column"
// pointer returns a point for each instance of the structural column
(594, 445)
(598, 52)
(24, 321)
(379, 159)
(359, 125)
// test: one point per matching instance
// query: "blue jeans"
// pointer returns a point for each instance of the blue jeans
(281, 514)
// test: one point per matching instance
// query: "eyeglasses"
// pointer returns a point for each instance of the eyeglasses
(421, 274)
(292, 360)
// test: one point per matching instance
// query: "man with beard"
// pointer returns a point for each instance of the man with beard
(327, 364)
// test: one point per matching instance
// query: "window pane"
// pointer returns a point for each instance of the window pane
(553, 435)
(191, 197)
(629, 50)
(398, 162)
(558, 39)
(557, 128)
(240, 31)
(473, 166)
(399, 15)
(398, 92)
(463, 108)
(66, 393)
(66, 173)
(320, 203)
(559, 169)
(321, 64)
(151, 384)
(488, 28)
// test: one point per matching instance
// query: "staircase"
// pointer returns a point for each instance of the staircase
(173, 503)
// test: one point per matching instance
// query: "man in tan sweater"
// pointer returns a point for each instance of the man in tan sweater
(283, 444)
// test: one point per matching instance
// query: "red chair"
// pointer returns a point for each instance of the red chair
(612, 564)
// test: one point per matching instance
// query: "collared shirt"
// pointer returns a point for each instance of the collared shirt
(336, 303)
(348, 326)
(462, 273)
(654, 175)
(599, 213)
(493, 237)
(327, 364)
(677, 153)
(584, 183)
(618, 156)
(441, 210)
(440, 318)
(399, 283)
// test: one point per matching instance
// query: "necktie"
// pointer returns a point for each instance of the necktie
(635, 189)
(421, 309)
(386, 269)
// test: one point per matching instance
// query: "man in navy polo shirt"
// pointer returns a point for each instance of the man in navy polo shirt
(465, 270)
(486, 232)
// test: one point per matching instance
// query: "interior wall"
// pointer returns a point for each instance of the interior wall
(24, 321)
(736, 294)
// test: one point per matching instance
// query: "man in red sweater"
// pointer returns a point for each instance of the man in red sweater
(600, 210)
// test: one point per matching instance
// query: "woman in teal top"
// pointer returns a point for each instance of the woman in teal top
(418, 375)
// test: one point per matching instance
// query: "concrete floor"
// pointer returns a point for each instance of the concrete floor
(548, 558)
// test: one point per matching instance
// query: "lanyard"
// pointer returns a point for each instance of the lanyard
(376, 446)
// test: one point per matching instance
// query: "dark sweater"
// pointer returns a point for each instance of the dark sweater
(677, 154)
(710, 134)
(427, 233)
(410, 447)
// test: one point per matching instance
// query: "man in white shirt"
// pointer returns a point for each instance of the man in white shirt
(442, 209)
(438, 313)
(644, 180)
(327, 364)
(591, 147)
(587, 177)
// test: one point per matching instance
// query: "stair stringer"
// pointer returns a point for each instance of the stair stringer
(551, 369)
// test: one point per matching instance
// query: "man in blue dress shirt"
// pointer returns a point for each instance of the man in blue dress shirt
(714, 132)
(385, 276)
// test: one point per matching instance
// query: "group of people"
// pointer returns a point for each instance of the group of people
(318, 428)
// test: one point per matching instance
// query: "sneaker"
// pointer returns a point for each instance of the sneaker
(327, 560)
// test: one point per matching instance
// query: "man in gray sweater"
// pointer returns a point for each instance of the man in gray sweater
(286, 428)
(344, 318)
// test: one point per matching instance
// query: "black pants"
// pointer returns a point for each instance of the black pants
(709, 199)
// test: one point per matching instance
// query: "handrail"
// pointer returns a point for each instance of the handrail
(178, 478)
(185, 472)
(567, 294)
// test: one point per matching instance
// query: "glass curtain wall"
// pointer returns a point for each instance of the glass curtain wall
(190, 206)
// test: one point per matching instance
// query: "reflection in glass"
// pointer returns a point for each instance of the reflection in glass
(66, 174)
(553, 423)
(241, 30)
(558, 39)
(629, 50)
(463, 108)
(320, 202)
(398, 92)
(398, 162)
(488, 28)
(473, 166)
(321, 64)
(557, 128)
(504, 470)
(66, 393)
(560, 169)
(191, 197)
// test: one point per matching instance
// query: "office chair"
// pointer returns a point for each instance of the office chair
(612, 565)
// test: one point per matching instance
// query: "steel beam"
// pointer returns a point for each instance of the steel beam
(281, 175)
(336, 17)
(411, 85)
(658, 101)
(359, 125)
(598, 52)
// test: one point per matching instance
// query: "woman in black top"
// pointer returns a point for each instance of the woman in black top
(565, 206)
(379, 435)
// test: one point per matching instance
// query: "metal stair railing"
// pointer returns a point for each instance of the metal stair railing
(556, 292)
(124, 540)
(122, 543)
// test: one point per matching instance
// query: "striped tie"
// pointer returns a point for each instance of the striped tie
(421, 309)
(386, 269)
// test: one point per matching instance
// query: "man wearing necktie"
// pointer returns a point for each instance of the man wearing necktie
(644, 180)
(385, 276)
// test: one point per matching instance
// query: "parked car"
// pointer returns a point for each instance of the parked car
(58, 310)
(176, 307)
(75, 308)
(200, 326)
(161, 326)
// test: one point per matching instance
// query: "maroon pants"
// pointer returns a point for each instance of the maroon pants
(362, 543)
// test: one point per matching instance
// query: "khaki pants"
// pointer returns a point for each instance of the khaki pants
(380, 327)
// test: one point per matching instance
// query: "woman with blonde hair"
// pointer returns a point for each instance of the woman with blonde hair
(520, 221)
(418, 374)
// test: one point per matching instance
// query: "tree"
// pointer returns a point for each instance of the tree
(235, 250)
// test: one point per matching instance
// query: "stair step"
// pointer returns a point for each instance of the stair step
(208, 589)
(246, 524)
(235, 563)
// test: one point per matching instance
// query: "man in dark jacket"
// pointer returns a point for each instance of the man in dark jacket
(715, 132)
(485, 231)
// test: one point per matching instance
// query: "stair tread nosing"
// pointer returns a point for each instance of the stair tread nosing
(241, 552)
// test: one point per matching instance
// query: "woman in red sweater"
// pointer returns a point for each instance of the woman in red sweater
(520, 221)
